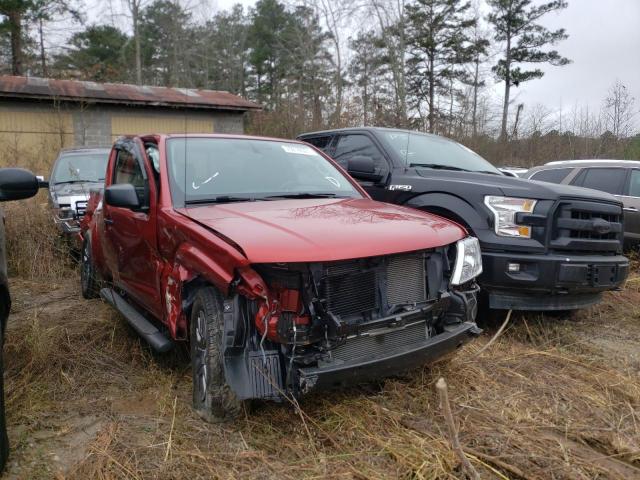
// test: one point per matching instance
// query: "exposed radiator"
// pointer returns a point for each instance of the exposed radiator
(406, 279)
(350, 290)
(382, 344)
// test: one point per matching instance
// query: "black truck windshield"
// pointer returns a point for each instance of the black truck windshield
(80, 167)
(431, 151)
(223, 170)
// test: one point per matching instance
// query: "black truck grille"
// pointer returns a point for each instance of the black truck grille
(356, 287)
(588, 226)
(382, 344)
(81, 208)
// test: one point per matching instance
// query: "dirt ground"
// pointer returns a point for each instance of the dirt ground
(554, 397)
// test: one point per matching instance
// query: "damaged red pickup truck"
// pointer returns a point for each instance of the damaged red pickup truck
(276, 267)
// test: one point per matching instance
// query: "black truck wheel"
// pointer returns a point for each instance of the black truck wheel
(89, 280)
(213, 399)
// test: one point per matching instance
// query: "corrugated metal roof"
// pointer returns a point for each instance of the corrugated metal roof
(120, 93)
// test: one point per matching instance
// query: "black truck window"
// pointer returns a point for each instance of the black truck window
(610, 180)
(353, 145)
(319, 142)
(554, 175)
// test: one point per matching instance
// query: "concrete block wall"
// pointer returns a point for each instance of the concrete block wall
(91, 127)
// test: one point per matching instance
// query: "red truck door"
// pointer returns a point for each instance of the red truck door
(130, 236)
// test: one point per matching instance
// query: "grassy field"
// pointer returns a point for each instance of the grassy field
(551, 398)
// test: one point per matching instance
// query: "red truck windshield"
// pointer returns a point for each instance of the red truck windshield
(204, 170)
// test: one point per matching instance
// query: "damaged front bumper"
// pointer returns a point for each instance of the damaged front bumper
(385, 362)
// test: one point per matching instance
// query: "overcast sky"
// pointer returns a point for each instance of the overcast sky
(603, 44)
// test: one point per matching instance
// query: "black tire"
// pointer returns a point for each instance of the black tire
(4, 439)
(213, 399)
(89, 281)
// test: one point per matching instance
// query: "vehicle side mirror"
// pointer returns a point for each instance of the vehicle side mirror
(363, 168)
(122, 195)
(17, 183)
(42, 183)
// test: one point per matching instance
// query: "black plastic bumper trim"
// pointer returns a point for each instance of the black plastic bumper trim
(551, 274)
(375, 368)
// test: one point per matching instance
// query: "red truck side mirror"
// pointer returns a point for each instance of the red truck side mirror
(17, 183)
(122, 195)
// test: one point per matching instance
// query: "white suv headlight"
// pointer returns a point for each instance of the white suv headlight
(504, 211)
(468, 261)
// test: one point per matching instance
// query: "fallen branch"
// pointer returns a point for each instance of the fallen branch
(498, 463)
(167, 452)
(471, 472)
(495, 337)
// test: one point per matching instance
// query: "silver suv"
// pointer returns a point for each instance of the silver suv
(75, 172)
(618, 177)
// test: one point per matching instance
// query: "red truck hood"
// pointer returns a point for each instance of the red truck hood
(313, 230)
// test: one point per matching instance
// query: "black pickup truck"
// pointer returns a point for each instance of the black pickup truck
(544, 246)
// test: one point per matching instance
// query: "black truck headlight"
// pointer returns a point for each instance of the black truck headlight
(468, 261)
(504, 211)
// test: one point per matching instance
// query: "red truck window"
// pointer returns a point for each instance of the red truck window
(128, 170)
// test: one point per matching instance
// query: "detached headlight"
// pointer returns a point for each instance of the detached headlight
(504, 211)
(468, 261)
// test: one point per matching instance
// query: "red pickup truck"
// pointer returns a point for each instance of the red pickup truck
(276, 267)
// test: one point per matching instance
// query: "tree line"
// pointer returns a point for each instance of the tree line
(420, 64)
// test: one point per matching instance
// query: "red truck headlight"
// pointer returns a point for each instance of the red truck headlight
(468, 261)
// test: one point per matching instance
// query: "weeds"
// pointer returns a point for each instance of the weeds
(551, 398)
(36, 249)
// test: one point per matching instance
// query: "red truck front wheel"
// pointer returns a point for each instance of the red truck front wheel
(213, 399)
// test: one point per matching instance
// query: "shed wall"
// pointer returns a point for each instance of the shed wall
(32, 133)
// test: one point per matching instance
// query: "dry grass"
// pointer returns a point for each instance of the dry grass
(552, 398)
(37, 250)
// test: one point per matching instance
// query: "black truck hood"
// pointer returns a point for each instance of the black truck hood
(454, 181)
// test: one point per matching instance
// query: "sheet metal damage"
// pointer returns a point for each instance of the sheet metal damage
(303, 325)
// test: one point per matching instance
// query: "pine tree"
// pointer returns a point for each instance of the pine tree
(17, 13)
(270, 22)
(98, 53)
(439, 44)
(515, 23)
(165, 41)
(223, 52)
(368, 70)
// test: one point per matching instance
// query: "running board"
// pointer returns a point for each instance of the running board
(154, 337)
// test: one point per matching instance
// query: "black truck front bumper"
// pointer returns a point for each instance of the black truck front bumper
(550, 281)
(387, 363)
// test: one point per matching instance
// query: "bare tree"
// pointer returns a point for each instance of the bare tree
(333, 13)
(135, 8)
(392, 19)
(537, 120)
(480, 45)
(618, 110)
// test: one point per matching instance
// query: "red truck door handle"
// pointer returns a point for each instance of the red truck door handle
(108, 221)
